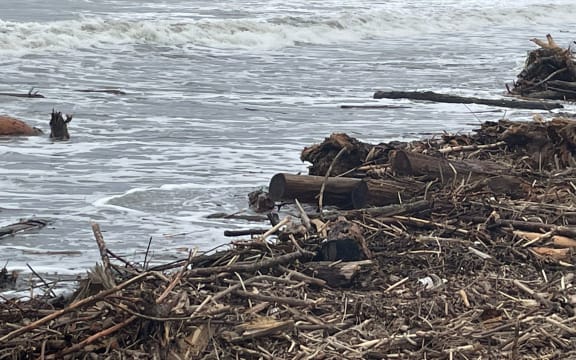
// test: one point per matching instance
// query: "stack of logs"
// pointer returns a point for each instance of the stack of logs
(503, 158)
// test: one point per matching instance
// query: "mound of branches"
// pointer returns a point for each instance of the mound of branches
(549, 73)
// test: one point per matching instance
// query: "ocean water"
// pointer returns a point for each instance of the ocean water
(220, 96)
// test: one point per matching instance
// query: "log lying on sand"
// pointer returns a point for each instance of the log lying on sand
(445, 98)
(549, 73)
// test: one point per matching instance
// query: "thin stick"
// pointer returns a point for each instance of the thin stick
(103, 253)
(124, 261)
(451, 149)
(275, 228)
(396, 284)
(97, 336)
(147, 251)
(176, 279)
(249, 267)
(303, 216)
(42, 279)
(277, 299)
(326, 176)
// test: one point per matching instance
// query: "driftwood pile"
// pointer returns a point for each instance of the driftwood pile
(474, 260)
(549, 73)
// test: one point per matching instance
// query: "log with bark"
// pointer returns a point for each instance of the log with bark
(306, 188)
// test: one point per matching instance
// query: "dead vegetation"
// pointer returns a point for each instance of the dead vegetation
(470, 266)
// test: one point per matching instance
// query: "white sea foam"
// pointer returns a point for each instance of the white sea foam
(271, 32)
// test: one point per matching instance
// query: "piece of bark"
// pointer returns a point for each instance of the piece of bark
(432, 96)
(344, 274)
(345, 242)
(306, 188)
(551, 253)
(196, 343)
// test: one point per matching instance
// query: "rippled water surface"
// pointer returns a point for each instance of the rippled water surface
(220, 96)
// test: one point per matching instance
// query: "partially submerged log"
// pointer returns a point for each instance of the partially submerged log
(105, 91)
(455, 99)
(30, 94)
(23, 226)
(10, 126)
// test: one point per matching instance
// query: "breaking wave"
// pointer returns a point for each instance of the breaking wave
(272, 32)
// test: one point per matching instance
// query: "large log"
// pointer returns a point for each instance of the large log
(306, 188)
(14, 127)
(482, 174)
(378, 192)
(407, 163)
(432, 96)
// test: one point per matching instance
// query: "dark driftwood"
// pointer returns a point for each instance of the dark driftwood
(415, 164)
(24, 225)
(31, 94)
(106, 91)
(384, 211)
(373, 107)
(306, 188)
(432, 96)
(375, 192)
(59, 126)
(232, 233)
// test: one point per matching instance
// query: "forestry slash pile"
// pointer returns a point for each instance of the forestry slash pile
(453, 247)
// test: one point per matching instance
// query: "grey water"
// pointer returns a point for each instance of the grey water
(220, 96)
